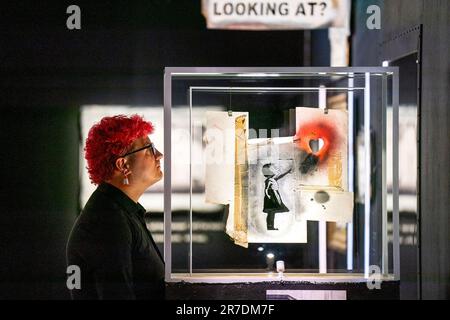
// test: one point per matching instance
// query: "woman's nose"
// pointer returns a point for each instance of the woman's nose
(159, 155)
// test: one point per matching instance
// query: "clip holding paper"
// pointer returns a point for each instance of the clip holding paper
(323, 99)
(230, 113)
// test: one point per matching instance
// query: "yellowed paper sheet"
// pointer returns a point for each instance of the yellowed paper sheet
(237, 217)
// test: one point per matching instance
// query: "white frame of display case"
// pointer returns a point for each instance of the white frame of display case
(322, 276)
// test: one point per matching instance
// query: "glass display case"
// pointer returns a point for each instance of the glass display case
(281, 173)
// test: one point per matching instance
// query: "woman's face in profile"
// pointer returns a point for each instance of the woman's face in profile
(146, 166)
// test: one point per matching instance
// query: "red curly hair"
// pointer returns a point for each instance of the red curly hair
(109, 139)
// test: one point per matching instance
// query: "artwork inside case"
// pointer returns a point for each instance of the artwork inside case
(219, 139)
(322, 166)
(265, 165)
(226, 172)
(324, 204)
(321, 139)
(271, 197)
(272, 187)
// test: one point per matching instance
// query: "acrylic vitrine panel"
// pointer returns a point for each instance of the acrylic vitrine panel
(279, 164)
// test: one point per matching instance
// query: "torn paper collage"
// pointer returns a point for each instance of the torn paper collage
(273, 186)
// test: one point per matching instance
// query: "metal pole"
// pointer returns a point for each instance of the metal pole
(384, 218)
(167, 174)
(368, 169)
(190, 181)
(395, 190)
(322, 224)
(351, 166)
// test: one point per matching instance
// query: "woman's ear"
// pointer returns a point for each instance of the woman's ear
(121, 164)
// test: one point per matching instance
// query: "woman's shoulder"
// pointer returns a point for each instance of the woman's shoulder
(101, 210)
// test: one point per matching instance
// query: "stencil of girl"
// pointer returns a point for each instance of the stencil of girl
(272, 199)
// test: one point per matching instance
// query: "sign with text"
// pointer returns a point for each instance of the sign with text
(275, 14)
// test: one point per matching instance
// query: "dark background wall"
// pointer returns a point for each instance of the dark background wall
(399, 16)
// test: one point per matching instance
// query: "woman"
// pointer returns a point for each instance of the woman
(109, 242)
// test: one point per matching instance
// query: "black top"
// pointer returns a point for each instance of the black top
(111, 244)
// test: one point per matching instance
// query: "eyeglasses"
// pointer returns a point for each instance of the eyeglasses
(151, 146)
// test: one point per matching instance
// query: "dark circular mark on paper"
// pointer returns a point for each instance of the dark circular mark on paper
(321, 196)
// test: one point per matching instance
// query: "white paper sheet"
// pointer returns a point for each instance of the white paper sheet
(220, 156)
(322, 166)
(326, 204)
(331, 169)
(271, 186)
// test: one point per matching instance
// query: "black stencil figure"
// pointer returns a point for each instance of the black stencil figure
(272, 199)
